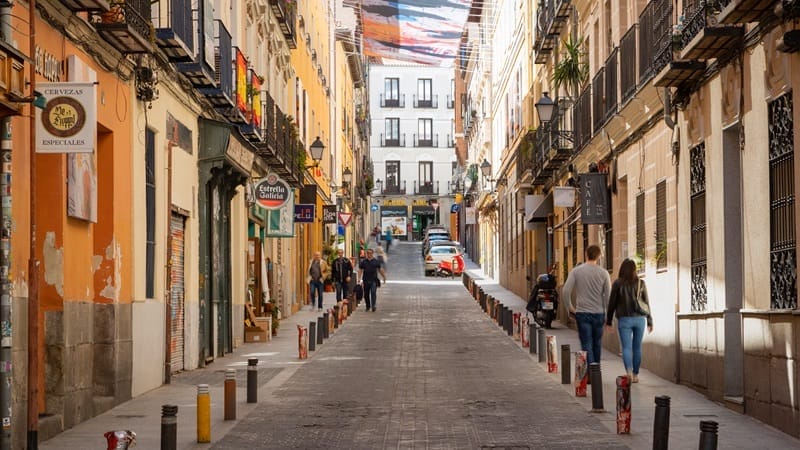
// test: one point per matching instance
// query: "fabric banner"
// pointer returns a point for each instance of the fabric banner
(594, 199)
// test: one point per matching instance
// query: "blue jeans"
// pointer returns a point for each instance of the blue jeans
(590, 332)
(316, 287)
(371, 293)
(341, 290)
(631, 331)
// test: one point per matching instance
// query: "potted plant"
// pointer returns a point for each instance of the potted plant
(572, 70)
(329, 255)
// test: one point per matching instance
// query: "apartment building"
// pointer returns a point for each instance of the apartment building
(412, 147)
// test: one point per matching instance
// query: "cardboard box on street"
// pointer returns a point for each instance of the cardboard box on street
(255, 334)
(265, 323)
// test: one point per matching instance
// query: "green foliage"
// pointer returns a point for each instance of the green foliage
(572, 69)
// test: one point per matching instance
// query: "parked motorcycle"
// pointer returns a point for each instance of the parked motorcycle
(447, 269)
(543, 300)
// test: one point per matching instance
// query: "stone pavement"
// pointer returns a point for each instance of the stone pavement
(428, 370)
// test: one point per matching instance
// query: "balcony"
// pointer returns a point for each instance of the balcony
(680, 73)
(627, 75)
(525, 156)
(86, 5)
(399, 102)
(553, 146)
(450, 142)
(702, 38)
(582, 119)
(174, 26)
(394, 141)
(238, 112)
(12, 80)
(451, 103)
(551, 19)
(426, 141)
(598, 100)
(394, 189)
(426, 188)
(253, 130)
(267, 151)
(743, 11)
(204, 72)
(655, 39)
(285, 12)
(126, 26)
(612, 81)
(282, 147)
(430, 102)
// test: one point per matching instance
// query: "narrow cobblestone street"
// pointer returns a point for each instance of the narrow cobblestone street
(427, 370)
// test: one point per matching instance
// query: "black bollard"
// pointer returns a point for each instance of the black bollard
(509, 321)
(661, 423)
(252, 380)
(320, 325)
(566, 370)
(596, 380)
(169, 427)
(708, 435)
(532, 337)
(312, 336)
(335, 316)
(501, 314)
(542, 344)
(325, 331)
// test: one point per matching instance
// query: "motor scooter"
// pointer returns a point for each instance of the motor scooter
(450, 267)
(543, 300)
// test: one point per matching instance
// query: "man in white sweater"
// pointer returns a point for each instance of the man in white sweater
(592, 286)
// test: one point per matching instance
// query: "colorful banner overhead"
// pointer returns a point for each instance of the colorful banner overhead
(417, 31)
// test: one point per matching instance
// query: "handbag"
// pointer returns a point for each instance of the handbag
(642, 308)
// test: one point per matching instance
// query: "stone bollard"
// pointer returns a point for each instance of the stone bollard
(312, 336)
(661, 423)
(708, 435)
(596, 380)
(169, 427)
(565, 368)
(623, 404)
(252, 380)
(203, 414)
(230, 395)
(541, 344)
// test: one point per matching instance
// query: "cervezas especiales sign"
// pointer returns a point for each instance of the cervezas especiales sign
(68, 122)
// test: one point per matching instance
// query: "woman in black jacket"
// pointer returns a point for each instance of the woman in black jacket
(631, 304)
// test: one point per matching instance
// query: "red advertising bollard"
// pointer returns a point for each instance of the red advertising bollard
(552, 355)
(515, 324)
(331, 320)
(623, 404)
(345, 310)
(120, 439)
(523, 331)
(581, 374)
(497, 311)
(302, 341)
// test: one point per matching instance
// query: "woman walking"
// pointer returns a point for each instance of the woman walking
(631, 304)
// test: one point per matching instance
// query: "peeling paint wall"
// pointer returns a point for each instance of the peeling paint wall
(53, 263)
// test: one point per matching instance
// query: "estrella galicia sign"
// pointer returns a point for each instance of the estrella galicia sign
(272, 192)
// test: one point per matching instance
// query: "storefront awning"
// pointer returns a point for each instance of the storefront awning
(538, 207)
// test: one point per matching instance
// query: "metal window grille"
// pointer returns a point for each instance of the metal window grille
(697, 168)
(661, 225)
(783, 243)
(150, 205)
(640, 239)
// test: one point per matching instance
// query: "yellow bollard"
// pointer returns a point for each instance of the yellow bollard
(203, 414)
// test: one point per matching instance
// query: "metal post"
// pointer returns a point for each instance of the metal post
(230, 394)
(252, 380)
(5, 260)
(169, 427)
(596, 380)
(312, 336)
(320, 334)
(509, 321)
(203, 414)
(661, 423)
(33, 262)
(335, 316)
(708, 435)
(542, 344)
(566, 372)
(532, 337)
(499, 314)
(325, 331)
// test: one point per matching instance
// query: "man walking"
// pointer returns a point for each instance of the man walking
(342, 271)
(592, 286)
(317, 271)
(368, 270)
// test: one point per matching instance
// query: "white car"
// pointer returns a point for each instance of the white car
(437, 254)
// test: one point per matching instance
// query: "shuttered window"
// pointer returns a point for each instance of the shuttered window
(697, 182)
(150, 209)
(661, 225)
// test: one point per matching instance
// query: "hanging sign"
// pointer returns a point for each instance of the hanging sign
(68, 122)
(272, 193)
(344, 218)
(328, 214)
(304, 213)
(594, 199)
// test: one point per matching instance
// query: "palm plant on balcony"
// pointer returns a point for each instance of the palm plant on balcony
(572, 69)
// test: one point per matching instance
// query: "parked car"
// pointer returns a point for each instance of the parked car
(434, 237)
(437, 254)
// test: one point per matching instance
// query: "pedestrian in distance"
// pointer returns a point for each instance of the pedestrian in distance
(631, 304)
(381, 256)
(317, 271)
(341, 272)
(388, 238)
(368, 270)
(591, 285)
(376, 233)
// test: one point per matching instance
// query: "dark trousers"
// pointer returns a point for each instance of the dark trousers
(590, 332)
(371, 293)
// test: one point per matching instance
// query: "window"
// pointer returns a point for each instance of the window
(783, 241)
(425, 90)
(640, 236)
(426, 177)
(425, 133)
(452, 96)
(150, 210)
(661, 225)
(697, 191)
(392, 132)
(391, 93)
(393, 177)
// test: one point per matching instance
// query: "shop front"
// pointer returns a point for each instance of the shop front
(395, 219)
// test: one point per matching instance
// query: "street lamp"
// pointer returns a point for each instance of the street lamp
(347, 176)
(316, 148)
(545, 108)
(486, 171)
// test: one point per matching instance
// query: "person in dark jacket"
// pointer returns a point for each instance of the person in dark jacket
(627, 292)
(341, 273)
(369, 269)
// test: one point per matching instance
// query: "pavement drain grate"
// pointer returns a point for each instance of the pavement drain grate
(130, 416)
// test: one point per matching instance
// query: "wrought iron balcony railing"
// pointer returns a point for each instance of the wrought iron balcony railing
(451, 103)
(612, 83)
(174, 26)
(398, 102)
(431, 102)
(551, 17)
(582, 118)
(126, 26)
(426, 188)
(286, 13)
(598, 102)
(393, 141)
(627, 54)
(426, 141)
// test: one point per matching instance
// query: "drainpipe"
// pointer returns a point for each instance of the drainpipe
(33, 263)
(675, 148)
(168, 275)
(5, 256)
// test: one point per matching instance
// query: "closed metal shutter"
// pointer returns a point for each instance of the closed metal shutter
(176, 309)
